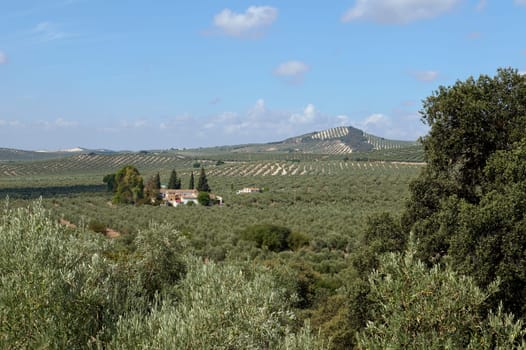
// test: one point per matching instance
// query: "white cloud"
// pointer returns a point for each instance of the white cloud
(343, 120)
(520, 2)
(401, 125)
(398, 11)
(425, 75)
(249, 23)
(376, 120)
(3, 58)
(292, 71)
(308, 116)
(48, 31)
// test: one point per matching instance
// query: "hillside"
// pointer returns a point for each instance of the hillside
(340, 140)
(350, 142)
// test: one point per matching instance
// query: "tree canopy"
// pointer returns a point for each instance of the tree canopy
(191, 185)
(469, 202)
(129, 185)
(202, 183)
(174, 183)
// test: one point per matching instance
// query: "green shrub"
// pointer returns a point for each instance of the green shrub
(66, 288)
(414, 307)
(220, 306)
(274, 237)
(203, 198)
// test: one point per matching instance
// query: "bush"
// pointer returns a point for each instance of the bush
(220, 306)
(62, 288)
(414, 307)
(203, 198)
(275, 238)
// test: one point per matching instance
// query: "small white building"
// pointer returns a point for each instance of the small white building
(183, 197)
(249, 190)
(177, 197)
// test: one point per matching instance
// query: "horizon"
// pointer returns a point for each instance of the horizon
(80, 148)
(139, 76)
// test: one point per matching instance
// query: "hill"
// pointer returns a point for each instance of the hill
(348, 142)
(339, 140)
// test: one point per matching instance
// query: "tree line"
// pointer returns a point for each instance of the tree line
(127, 186)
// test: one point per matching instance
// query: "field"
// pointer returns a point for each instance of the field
(324, 200)
(328, 200)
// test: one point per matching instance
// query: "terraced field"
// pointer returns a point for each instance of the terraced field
(88, 163)
(284, 168)
(332, 133)
(379, 143)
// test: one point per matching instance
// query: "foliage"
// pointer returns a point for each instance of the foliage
(111, 184)
(67, 288)
(469, 201)
(297, 240)
(470, 121)
(203, 198)
(275, 238)
(58, 291)
(129, 186)
(418, 308)
(191, 184)
(202, 183)
(174, 182)
(152, 189)
(232, 306)
(488, 239)
(382, 234)
(329, 227)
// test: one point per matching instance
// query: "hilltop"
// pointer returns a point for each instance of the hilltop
(339, 140)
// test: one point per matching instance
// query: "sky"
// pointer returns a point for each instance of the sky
(140, 75)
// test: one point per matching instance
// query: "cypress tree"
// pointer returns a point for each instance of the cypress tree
(192, 185)
(157, 182)
(202, 184)
(174, 183)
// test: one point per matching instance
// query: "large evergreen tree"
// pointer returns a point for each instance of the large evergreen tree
(191, 185)
(202, 183)
(130, 186)
(174, 183)
(469, 202)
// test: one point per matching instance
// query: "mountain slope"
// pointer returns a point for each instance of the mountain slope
(340, 140)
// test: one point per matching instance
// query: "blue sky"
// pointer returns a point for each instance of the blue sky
(159, 74)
